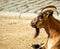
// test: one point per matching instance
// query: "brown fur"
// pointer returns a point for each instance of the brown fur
(52, 26)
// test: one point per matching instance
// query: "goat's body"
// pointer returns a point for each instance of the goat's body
(54, 30)
(52, 26)
(53, 43)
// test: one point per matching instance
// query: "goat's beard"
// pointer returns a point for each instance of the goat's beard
(37, 32)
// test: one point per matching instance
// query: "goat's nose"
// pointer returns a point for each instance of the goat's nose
(33, 24)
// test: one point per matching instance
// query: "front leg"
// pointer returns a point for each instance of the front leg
(37, 46)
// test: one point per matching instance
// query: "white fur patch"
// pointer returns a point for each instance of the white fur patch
(51, 43)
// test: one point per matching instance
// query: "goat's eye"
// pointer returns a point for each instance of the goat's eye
(41, 17)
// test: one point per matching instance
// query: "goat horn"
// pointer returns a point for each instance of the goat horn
(54, 9)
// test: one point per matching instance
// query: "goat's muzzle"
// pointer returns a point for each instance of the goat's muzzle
(33, 24)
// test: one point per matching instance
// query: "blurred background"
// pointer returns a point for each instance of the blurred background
(16, 33)
(26, 5)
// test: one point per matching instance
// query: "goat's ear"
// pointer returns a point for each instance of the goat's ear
(46, 14)
(49, 14)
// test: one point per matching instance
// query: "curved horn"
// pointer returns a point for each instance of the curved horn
(53, 8)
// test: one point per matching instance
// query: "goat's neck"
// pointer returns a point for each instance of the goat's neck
(53, 27)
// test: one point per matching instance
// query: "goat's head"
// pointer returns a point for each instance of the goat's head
(39, 21)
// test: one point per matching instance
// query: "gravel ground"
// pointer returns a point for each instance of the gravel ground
(17, 33)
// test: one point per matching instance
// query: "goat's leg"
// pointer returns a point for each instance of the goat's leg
(37, 46)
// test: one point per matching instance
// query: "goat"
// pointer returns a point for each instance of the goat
(47, 21)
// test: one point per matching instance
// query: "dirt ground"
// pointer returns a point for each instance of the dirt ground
(16, 33)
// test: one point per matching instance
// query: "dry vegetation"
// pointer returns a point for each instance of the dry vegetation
(17, 33)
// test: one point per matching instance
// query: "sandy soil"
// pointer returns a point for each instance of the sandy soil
(18, 34)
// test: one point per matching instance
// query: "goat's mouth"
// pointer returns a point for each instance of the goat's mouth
(33, 25)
